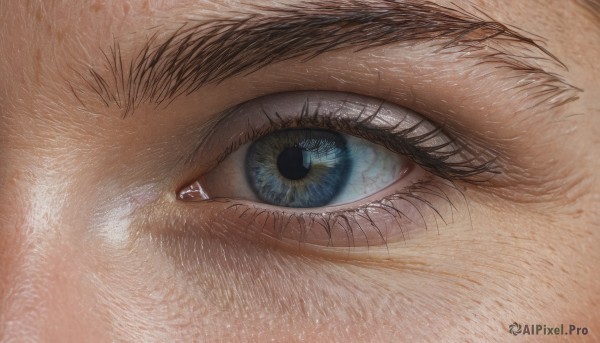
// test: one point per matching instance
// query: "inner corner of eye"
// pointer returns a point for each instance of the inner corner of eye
(301, 168)
(193, 192)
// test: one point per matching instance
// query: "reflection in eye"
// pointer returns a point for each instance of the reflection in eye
(332, 169)
(312, 168)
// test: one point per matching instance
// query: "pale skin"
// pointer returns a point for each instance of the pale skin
(95, 245)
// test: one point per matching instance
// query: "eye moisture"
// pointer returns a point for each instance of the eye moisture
(298, 167)
(193, 192)
(333, 169)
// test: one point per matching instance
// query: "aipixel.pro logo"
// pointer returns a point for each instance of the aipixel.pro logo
(546, 330)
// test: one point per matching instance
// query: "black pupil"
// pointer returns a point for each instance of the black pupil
(290, 163)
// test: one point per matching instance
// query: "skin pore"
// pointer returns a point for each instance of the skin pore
(96, 246)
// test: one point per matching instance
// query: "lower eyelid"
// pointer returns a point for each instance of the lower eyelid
(405, 212)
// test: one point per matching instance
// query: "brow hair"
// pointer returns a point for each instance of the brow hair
(593, 6)
(200, 53)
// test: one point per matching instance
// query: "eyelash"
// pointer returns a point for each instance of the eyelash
(431, 158)
(435, 158)
(347, 219)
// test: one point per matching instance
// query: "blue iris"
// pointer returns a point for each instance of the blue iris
(298, 167)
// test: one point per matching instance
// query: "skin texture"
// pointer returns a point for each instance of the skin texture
(94, 245)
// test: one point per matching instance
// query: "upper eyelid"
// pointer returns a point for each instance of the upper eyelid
(363, 116)
(201, 53)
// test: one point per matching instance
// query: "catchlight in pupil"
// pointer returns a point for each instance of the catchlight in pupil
(293, 163)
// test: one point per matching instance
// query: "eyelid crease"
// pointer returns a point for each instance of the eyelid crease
(207, 52)
(374, 120)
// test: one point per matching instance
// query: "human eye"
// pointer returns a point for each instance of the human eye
(305, 168)
(332, 169)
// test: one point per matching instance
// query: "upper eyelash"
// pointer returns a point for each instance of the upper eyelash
(472, 167)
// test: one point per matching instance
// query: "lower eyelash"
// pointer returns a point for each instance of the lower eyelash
(429, 201)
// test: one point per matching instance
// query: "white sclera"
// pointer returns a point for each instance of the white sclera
(373, 168)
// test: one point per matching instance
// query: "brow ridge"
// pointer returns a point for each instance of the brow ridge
(205, 52)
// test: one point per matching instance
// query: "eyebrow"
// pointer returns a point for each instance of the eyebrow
(204, 52)
(593, 6)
